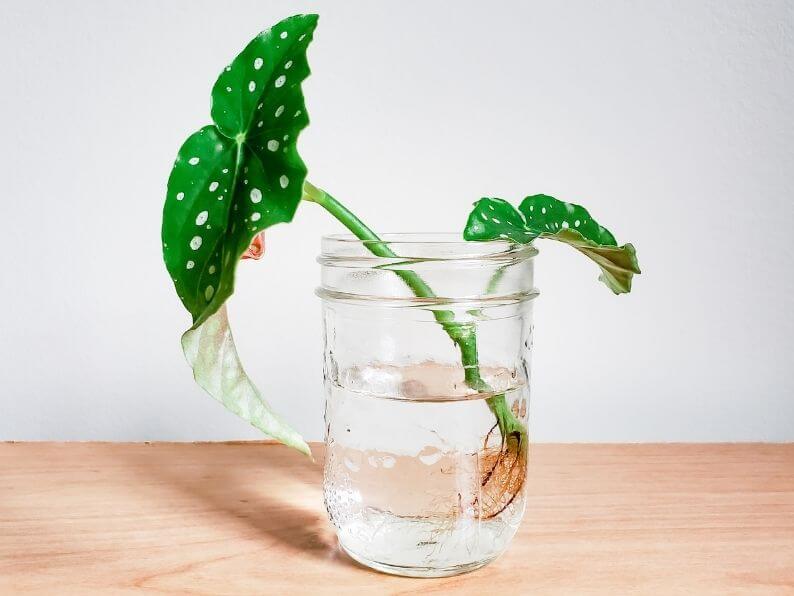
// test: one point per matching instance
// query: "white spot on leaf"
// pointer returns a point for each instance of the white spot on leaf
(213, 186)
(258, 63)
(256, 195)
(280, 81)
(283, 181)
(256, 217)
(251, 86)
(180, 196)
(209, 292)
(195, 242)
(272, 145)
(201, 218)
(279, 111)
(190, 265)
(283, 35)
(212, 269)
(288, 65)
(193, 161)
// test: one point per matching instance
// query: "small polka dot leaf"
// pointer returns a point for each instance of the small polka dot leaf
(542, 216)
(231, 180)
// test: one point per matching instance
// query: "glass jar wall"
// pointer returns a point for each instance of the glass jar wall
(426, 367)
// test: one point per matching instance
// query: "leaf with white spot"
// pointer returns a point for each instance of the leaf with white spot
(261, 83)
(546, 217)
(573, 225)
(227, 185)
(228, 176)
(495, 219)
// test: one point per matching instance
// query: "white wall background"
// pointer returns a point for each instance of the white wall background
(672, 121)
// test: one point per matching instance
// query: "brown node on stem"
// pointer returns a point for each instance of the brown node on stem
(503, 473)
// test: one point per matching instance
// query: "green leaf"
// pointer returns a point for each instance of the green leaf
(210, 350)
(546, 217)
(230, 181)
(494, 219)
(243, 174)
(262, 84)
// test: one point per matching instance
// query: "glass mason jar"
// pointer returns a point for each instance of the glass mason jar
(427, 352)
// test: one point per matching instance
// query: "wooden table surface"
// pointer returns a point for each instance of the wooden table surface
(248, 518)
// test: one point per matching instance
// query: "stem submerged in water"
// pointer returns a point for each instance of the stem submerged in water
(462, 334)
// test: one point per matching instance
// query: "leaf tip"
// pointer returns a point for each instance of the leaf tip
(632, 252)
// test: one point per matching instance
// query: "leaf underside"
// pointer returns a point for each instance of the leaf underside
(210, 350)
(542, 216)
(230, 181)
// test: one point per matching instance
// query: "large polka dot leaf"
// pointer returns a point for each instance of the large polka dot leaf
(230, 181)
(542, 216)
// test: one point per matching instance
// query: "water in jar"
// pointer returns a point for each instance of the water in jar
(409, 451)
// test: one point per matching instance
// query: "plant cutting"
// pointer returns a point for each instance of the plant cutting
(242, 174)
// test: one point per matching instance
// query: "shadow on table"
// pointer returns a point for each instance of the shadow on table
(279, 497)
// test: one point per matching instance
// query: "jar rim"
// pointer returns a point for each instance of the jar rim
(428, 245)
(416, 238)
(460, 272)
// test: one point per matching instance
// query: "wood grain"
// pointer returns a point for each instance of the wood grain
(248, 519)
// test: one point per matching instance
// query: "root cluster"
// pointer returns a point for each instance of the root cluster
(503, 473)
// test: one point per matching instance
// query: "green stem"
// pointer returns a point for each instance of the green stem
(462, 334)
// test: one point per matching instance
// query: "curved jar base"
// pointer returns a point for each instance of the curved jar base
(406, 571)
